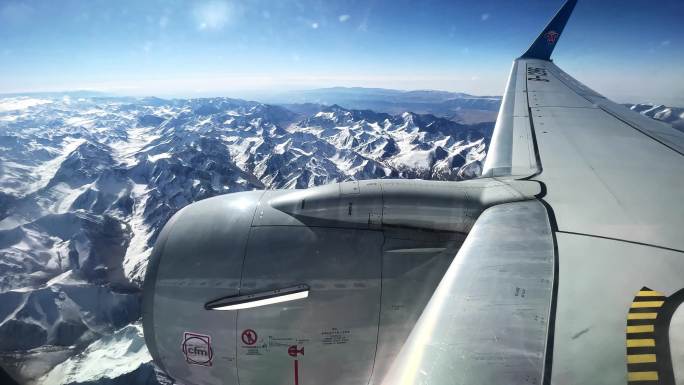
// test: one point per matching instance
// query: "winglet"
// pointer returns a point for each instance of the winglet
(546, 42)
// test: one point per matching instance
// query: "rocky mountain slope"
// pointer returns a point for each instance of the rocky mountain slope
(87, 183)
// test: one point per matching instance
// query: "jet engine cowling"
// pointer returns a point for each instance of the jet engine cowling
(311, 286)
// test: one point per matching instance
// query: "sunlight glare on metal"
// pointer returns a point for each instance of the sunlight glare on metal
(266, 301)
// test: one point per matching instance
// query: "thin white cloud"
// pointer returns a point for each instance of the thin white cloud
(484, 17)
(363, 26)
(665, 43)
(214, 14)
(344, 18)
(314, 25)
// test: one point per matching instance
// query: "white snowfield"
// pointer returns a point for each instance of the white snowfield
(110, 357)
(20, 103)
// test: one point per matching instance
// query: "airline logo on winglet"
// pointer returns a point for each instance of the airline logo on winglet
(552, 36)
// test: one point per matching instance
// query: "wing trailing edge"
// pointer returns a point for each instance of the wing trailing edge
(546, 41)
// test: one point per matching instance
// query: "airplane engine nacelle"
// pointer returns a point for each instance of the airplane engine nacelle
(315, 286)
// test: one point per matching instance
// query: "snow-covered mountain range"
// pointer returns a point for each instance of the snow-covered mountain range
(87, 183)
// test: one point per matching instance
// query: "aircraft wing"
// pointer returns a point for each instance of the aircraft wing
(584, 284)
(609, 172)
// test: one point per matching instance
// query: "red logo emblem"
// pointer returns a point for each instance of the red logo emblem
(197, 349)
(249, 337)
(294, 352)
(552, 36)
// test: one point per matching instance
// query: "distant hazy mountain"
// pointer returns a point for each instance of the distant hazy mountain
(459, 107)
(87, 183)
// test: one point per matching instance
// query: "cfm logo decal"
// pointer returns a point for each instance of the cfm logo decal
(197, 349)
(551, 36)
(649, 360)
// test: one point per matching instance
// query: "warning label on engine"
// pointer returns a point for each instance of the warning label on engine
(335, 336)
(252, 345)
(249, 337)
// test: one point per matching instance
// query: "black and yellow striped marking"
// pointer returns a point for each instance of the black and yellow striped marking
(649, 360)
(642, 362)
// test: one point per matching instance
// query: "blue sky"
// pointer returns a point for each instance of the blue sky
(629, 50)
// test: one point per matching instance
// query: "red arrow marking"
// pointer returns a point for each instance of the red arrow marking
(296, 368)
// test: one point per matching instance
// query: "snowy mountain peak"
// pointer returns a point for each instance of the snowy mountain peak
(672, 115)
